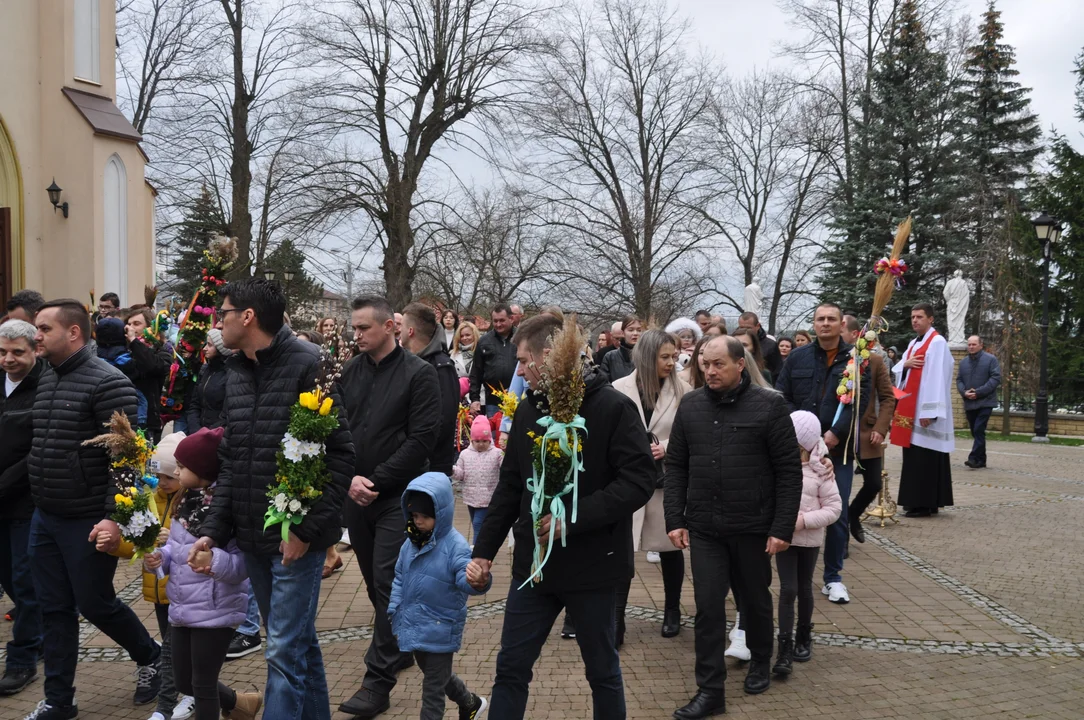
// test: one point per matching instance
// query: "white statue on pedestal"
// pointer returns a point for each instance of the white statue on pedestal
(957, 299)
(754, 298)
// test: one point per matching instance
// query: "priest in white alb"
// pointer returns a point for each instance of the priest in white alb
(922, 424)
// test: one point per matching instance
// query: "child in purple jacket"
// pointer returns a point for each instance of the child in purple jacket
(208, 598)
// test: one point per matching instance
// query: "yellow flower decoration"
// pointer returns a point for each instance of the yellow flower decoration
(325, 406)
(309, 401)
(119, 498)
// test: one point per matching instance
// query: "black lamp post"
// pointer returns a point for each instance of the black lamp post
(270, 275)
(1048, 231)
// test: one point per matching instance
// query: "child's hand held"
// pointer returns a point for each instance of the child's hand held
(201, 560)
(152, 562)
(163, 536)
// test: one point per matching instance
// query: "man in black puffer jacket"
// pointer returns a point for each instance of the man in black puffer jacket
(393, 401)
(266, 376)
(733, 489)
(494, 361)
(73, 495)
(420, 337)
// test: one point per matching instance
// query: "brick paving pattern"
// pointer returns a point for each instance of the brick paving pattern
(977, 612)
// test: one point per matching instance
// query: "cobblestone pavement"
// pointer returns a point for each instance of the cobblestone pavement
(976, 612)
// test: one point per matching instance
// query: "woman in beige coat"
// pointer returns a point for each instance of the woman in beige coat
(656, 389)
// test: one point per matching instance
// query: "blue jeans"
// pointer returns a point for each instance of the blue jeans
(24, 648)
(528, 618)
(251, 625)
(977, 420)
(835, 539)
(477, 515)
(288, 597)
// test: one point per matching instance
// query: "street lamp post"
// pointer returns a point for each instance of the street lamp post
(1048, 231)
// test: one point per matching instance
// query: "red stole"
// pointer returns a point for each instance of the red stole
(903, 421)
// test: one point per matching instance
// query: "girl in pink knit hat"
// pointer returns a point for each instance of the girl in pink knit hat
(820, 508)
(478, 469)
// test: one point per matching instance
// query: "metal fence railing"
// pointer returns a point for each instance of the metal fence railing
(1064, 395)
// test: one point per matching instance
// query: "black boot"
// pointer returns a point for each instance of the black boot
(671, 622)
(854, 522)
(784, 661)
(803, 644)
(703, 705)
(759, 677)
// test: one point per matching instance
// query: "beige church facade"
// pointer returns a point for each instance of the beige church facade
(59, 123)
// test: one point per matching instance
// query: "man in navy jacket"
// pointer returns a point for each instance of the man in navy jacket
(977, 381)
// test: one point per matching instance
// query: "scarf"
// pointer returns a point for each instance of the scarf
(192, 510)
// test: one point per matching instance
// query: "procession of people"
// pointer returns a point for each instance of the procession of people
(737, 450)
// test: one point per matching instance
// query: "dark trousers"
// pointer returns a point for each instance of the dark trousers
(713, 561)
(976, 422)
(439, 681)
(167, 693)
(871, 485)
(198, 654)
(377, 533)
(16, 577)
(795, 567)
(71, 577)
(528, 618)
(839, 532)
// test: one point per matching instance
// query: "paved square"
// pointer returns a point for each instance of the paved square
(976, 612)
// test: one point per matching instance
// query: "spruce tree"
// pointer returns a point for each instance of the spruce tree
(202, 221)
(1000, 141)
(910, 165)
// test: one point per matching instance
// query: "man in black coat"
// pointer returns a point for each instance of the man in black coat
(617, 479)
(733, 489)
(266, 376)
(808, 381)
(494, 360)
(392, 400)
(420, 336)
(21, 372)
(73, 497)
(773, 361)
(149, 368)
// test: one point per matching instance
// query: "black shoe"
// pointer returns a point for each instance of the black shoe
(366, 704)
(473, 709)
(917, 513)
(619, 633)
(45, 711)
(803, 644)
(969, 464)
(15, 679)
(568, 630)
(784, 661)
(759, 677)
(10, 615)
(148, 682)
(855, 524)
(704, 704)
(242, 645)
(671, 622)
(406, 661)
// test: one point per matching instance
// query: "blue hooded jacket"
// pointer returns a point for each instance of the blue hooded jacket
(428, 606)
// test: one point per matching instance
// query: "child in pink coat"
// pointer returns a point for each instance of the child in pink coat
(478, 468)
(820, 507)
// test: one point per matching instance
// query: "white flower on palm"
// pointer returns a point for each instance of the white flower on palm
(280, 502)
(295, 450)
(295, 505)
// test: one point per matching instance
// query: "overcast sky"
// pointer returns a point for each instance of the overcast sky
(1047, 35)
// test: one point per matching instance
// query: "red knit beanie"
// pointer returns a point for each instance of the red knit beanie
(199, 453)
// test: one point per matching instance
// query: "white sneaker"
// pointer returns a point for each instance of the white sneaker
(653, 557)
(735, 630)
(737, 648)
(345, 539)
(186, 707)
(157, 716)
(836, 592)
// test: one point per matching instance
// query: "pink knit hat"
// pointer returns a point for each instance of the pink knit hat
(480, 429)
(807, 427)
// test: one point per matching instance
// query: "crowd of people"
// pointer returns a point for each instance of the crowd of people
(738, 448)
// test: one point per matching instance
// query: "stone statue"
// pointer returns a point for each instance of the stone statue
(957, 299)
(754, 298)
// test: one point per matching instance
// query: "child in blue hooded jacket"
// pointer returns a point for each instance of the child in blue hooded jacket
(428, 606)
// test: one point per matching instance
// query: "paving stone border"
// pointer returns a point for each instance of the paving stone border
(1027, 491)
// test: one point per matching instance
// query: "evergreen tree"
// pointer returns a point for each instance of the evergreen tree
(910, 164)
(300, 289)
(201, 222)
(1001, 141)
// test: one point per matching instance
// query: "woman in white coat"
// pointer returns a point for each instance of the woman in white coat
(656, 389)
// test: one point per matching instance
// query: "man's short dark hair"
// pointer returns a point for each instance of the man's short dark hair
(703, 313)
(851, 324)
(734, 349)
(502, 307)
(264, 297)
(422, 319)
(536, 333)
(750, 317)
(128, 313)
(110, 298)
(829, 305)
(924, 307)
(29, 300)
(382, 309)
(71, 312)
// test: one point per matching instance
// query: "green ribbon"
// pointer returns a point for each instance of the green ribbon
(537, 486)
(274, 516)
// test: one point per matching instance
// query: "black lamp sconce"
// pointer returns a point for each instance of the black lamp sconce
(54, 197)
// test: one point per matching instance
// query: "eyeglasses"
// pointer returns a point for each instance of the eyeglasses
(222, 312)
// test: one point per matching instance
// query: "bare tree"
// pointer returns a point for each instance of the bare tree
(611, 122)
(401, 76)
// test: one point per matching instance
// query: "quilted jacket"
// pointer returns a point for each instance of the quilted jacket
(74, 403)
(17, 431)
(259, 396)
(205, 398)
(733, 466)
(218, 600)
